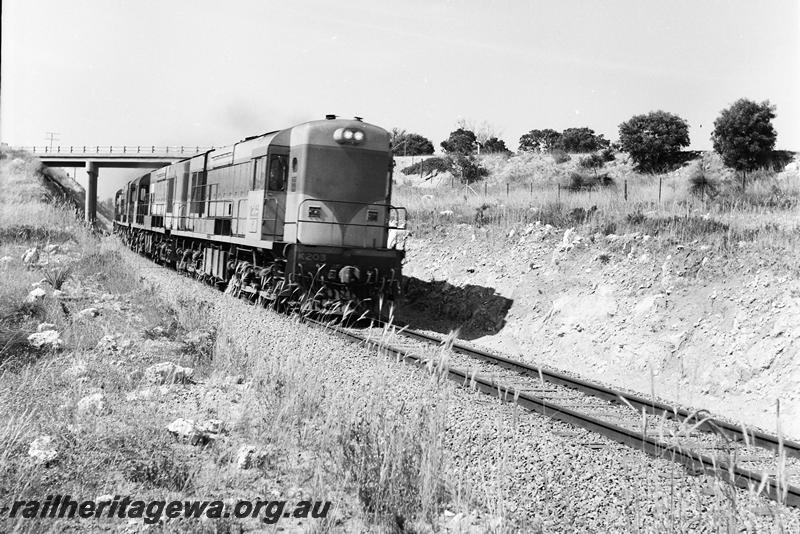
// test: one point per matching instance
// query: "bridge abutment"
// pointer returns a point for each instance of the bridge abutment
(90, 208)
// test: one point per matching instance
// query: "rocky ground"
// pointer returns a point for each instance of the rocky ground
(507, 470)
(707, 328)
(276, 408)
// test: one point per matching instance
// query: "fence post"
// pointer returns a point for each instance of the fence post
(124, 149)
(559, 192)
(626, 190)
(659, 189)
(531, 189)
(507, 188)
(153, 149)
(485, 189)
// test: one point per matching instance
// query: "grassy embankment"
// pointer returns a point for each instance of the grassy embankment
(378, 462)
(524, 189)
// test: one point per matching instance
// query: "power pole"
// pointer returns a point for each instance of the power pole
(51, 136)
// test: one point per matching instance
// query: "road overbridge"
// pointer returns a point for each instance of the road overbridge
(94, 158)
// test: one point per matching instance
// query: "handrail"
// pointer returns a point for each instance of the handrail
(399, 223)
(117, 150)
(389, 207)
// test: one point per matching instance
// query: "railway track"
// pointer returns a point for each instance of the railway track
(745, 458)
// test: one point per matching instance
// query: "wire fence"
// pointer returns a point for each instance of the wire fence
(517, 189)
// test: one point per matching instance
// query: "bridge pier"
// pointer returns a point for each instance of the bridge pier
(90, 209)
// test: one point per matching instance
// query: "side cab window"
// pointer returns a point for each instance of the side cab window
(278, 172)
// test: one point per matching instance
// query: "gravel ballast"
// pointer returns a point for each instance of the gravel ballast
(535, 473)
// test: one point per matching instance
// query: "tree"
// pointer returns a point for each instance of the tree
(743, 135)
(582, 140)
(493, 145)
(461, 141)
(654, 140)
(540, 140)
(409, 144)
(592, 161)
(483, 131)
(468, 168)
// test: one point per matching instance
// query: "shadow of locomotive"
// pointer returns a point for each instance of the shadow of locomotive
(475, 311)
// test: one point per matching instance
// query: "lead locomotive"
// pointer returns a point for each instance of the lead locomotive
(297, 217)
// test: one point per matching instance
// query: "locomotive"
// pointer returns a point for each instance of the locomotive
(300, 217)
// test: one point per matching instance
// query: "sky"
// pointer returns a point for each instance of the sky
(202, 72)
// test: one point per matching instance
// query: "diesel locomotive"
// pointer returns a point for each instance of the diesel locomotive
(296, 217)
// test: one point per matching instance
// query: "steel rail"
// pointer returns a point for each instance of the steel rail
(730, 431)
(697, 462)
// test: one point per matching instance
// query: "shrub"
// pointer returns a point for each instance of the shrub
(429, 165)
(608, 154)
(559, 156)
(582, 182)
(493, 145)
(461, 142)
(581, 215)
(409, 144)
(637, 217)
(468, 169)
(57, 276)
(779, 159)
(654, 140)
(593, 161)
(701, 183)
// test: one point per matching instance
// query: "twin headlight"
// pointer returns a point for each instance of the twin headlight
(352, 136)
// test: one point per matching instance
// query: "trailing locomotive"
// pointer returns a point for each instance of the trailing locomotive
(296, 217)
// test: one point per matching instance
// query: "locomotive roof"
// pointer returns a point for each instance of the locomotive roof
(321, 132)
(247, 148)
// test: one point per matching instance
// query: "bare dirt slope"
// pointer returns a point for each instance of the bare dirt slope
(703, 326)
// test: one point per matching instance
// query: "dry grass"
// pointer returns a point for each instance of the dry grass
(288, 407)
(767, 215)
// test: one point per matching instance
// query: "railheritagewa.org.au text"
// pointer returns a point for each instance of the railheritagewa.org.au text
(153, 511)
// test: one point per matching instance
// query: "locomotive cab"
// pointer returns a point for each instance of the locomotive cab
(338, 210)
(339, 184)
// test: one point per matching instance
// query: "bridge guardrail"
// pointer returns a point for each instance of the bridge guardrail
(116, 150)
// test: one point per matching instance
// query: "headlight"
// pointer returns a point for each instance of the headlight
(349, 135)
